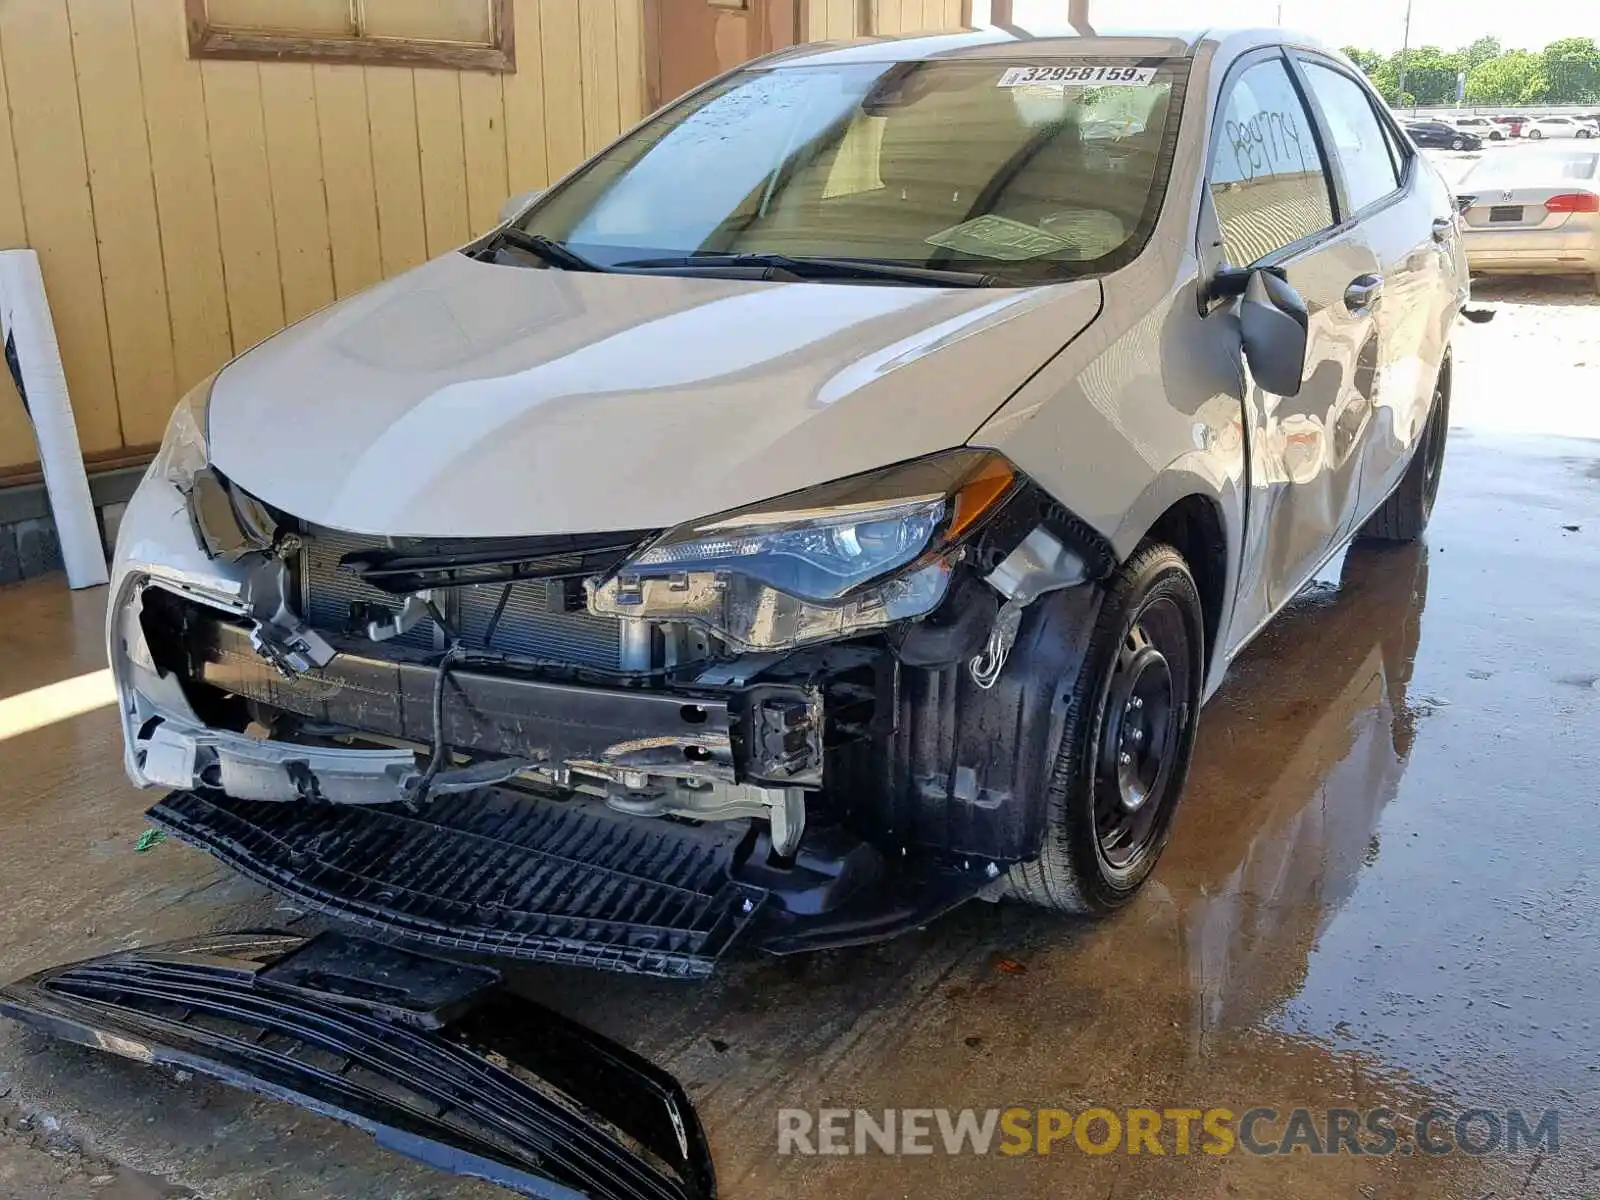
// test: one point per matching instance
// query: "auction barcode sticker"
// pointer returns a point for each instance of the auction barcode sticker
(1077, 73)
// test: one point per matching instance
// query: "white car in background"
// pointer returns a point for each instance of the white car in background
(1534, 212)
(1558, 127)
(1486, 128)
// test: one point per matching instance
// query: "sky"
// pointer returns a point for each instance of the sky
(1371, 24)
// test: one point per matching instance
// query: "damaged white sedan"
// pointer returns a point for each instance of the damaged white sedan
(832, 502)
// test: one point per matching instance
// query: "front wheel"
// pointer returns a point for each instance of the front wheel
(1458, 143)
(1584, 133)
(1128, 738)
(1535, 134)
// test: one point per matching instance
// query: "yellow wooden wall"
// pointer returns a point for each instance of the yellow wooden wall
(184, 210)
(842, 18)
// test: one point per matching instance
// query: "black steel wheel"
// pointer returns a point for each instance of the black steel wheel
(1404, 515)
(1128, 739)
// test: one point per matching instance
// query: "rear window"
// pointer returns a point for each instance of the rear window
(1030, 171)
(1523, 168)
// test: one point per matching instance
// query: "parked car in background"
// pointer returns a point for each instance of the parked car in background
(1512, 123)
(1487, 128)
(1533, 212)
(1443, 136)
(1558, 127)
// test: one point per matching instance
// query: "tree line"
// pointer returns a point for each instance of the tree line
(1567, 71)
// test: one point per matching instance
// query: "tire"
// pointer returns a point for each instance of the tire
(1584, 133)
(1458, 143)
(1127, 743)
(1404, 515)
(1535, 134)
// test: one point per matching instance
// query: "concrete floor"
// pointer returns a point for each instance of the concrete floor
(1382, 890)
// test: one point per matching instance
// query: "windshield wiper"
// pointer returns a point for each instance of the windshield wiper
(553, 253)
(817, 268)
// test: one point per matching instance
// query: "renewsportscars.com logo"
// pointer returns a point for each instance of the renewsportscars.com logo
(1177, 1131)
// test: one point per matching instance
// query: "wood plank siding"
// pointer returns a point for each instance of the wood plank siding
(183, 208)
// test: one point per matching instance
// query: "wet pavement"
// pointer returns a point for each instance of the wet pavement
(1382, 890)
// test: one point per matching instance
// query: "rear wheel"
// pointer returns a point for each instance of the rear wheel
(1535, 134)
(1583, 133)
(1404, 515)
(1128, 740)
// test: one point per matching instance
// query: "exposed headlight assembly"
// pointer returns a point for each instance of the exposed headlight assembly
(841, 558)
(228, 523)
(185, 451)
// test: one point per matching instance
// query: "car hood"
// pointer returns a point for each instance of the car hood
(470, 399)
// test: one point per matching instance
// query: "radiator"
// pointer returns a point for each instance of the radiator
(526, 624)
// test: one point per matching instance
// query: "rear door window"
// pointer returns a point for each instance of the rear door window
(1267, 178)
(1369, 170)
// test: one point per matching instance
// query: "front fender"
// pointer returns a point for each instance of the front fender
(1142, 411)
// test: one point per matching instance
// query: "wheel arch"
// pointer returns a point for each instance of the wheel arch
(1193, 527)
(1203, 523)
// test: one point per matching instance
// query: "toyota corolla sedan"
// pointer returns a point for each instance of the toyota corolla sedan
(831, 503)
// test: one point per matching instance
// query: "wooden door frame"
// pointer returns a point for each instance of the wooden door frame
(773, 25)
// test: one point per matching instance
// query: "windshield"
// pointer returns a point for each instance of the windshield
(1026, 173)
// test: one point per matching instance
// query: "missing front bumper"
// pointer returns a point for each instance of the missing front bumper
(432, 1058)
(768, 734)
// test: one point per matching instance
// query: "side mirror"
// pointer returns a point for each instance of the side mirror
(517, 203)
(1273, 320)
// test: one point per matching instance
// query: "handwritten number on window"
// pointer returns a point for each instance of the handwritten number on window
(1269, 142)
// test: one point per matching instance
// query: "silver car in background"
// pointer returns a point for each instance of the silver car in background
(1536, 212)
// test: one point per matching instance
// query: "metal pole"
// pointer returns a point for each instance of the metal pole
(1405, 50)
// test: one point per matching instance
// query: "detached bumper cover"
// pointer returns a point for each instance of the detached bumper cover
(430, 1057)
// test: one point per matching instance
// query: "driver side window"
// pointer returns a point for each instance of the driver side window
(1267, 178)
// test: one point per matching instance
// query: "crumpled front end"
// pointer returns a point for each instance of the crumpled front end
(803, 718)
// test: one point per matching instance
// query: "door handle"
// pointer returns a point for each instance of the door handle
(1442, 228)
(1363, 294)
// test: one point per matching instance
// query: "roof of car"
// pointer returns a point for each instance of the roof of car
(997, 42)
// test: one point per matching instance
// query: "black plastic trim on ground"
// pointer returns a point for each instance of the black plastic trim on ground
(495, 872)
(468, 1079)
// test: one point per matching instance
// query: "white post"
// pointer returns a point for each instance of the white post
(34, 359)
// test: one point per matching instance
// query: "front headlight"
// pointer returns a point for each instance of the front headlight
(823, 543)
(184, 450)
(227, 522)
(841, 558)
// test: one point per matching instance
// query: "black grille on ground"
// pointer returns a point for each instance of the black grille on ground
(505, 1089)
(493, 872)
(530, 623)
